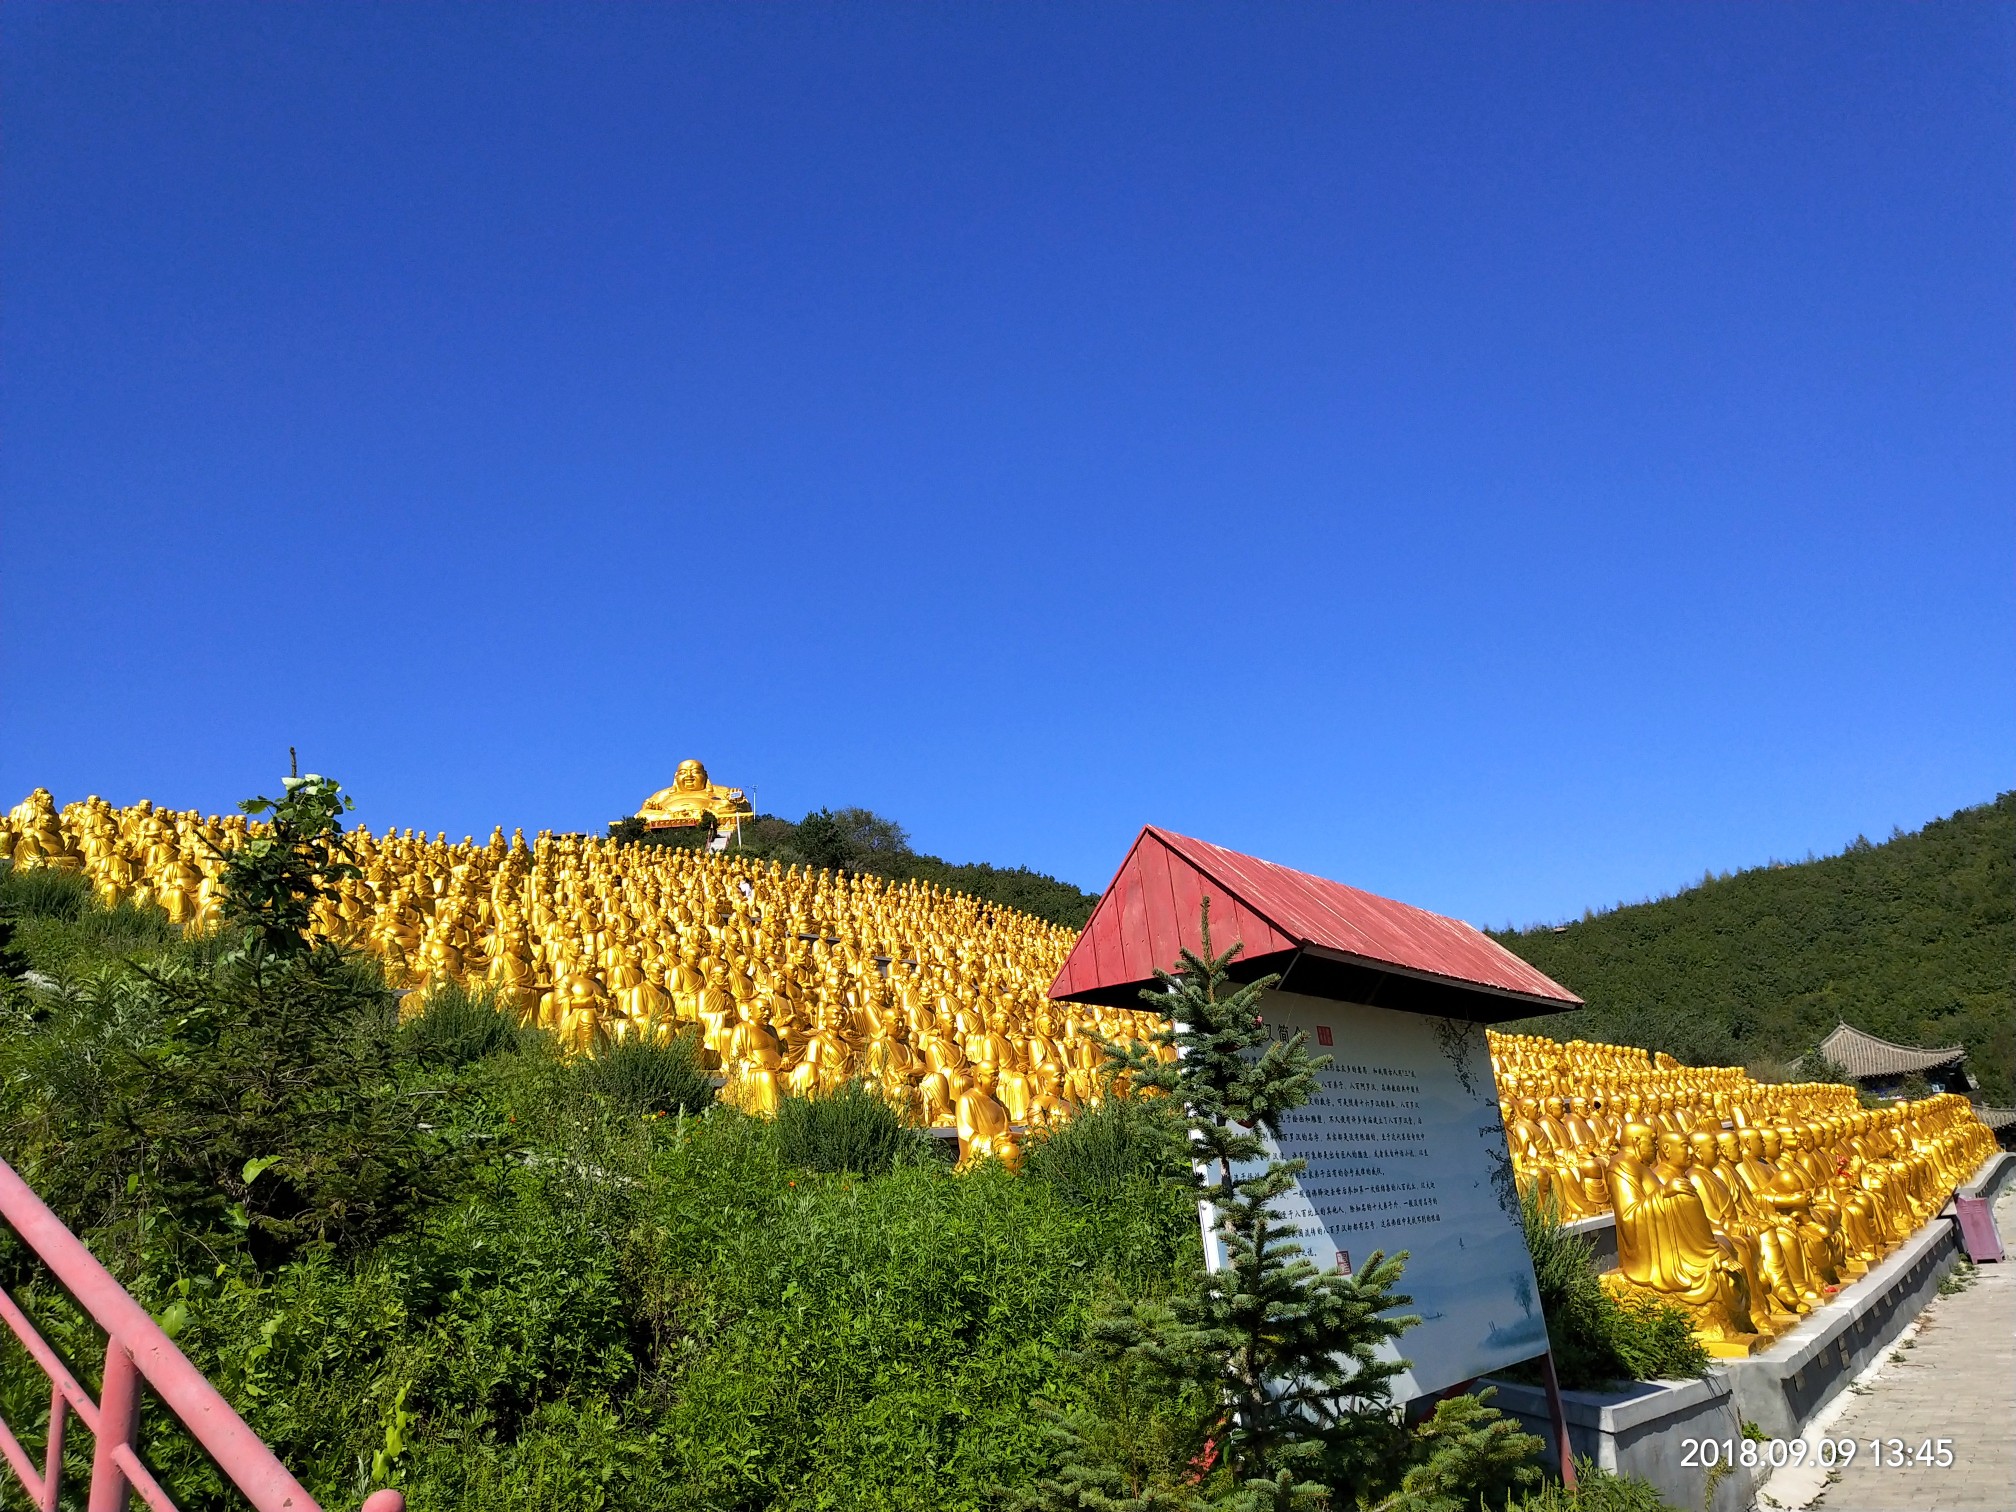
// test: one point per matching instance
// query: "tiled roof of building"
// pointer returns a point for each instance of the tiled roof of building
(1997, 1119)
(1330, 940)
(1861, 1055)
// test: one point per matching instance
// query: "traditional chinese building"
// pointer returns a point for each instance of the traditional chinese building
(1880, 1067)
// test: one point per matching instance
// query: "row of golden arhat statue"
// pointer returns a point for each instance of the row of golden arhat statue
(1745, 1204)
(797, 981)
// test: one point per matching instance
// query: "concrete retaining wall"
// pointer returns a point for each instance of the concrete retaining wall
(1640, 1429)
(1601, 1232)
(1782, 1388)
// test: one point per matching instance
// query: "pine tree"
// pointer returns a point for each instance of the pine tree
(1291, 1351)
(1286, 1360)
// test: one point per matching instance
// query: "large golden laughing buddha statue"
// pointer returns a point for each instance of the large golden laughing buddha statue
(693, 800)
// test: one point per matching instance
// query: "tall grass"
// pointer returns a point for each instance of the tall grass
(1596, 1490)
(42, 892)
(64, 931)
(456, 1027)
(853, 1128)
(651, 1076)
(1099, 1153)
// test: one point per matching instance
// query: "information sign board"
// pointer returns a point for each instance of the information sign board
(1406, 1151)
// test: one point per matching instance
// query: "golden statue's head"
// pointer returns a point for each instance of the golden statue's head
(690, 778)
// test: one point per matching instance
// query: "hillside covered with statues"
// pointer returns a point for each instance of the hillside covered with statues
(795, 979)
(1746, 1204)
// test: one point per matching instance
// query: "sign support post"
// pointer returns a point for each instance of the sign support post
(1559, 1413)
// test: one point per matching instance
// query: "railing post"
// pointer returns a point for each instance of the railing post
(52, 1462)
(118, 1425)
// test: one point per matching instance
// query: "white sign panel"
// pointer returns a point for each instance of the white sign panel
(1406, 1151)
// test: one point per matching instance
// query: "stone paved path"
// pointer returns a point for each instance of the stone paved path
(1957, 1380)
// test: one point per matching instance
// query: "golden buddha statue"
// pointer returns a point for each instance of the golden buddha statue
(823, 1064)
(984, 1126)
(693, 800)
(1787, 1283)
(1666, 1246)
(757, 1084)
(512, 975)
(1678, 1168)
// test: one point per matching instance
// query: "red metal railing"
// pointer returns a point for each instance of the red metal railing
(137, 1353)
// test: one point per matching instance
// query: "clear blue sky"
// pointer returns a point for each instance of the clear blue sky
(1511, 458)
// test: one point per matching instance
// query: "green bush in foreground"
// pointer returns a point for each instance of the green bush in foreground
(1111, 1147)
(1596, 1490)
(456, 1027)
(43, 892)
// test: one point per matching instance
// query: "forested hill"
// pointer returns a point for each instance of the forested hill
(1913, 939)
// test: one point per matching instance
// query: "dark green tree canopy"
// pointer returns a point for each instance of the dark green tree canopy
(1910, 940)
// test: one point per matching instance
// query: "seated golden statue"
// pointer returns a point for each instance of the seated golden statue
(984, 1125)
(1666, 1246)
(693, 800)
(757, 1083)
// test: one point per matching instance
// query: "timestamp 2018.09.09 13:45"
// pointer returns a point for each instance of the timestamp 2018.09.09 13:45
(1827, 1453)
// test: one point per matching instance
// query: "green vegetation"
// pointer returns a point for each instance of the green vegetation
(1910, 940)
(273, 878)
(646, 1077)
(456, 1027)
(1596, 1490)
(438, 1255)
(1597, 1340)
(1099, 1156)
(853, 1128)
(859, 840)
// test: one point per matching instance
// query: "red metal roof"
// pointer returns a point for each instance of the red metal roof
(1335, 940)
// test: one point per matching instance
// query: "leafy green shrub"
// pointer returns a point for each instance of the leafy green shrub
(1596, 1339)
(254, 1104)
(1093, 1156)
(62, 948)
(1596, 1490)
(456, 1026)
(853, 1128)
(651, 1076)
